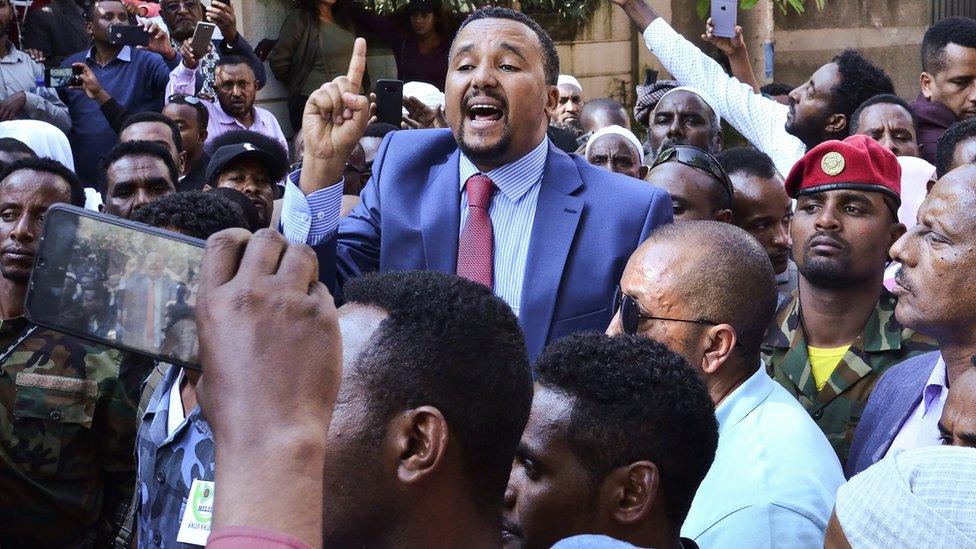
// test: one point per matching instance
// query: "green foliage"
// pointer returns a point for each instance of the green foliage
(798, 6)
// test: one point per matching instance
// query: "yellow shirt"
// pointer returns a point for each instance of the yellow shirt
(823, 362)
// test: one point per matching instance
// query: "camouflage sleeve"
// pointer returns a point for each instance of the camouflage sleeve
(117, 426)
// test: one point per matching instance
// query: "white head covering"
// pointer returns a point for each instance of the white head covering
(704, 97)
(924, 497)
(44, 139)
(616, 130)
(428, 94)
(915, 176)
(571, 80)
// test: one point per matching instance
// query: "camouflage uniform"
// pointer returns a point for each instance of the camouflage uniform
(67, 433)
(838, 406)
(168, 464)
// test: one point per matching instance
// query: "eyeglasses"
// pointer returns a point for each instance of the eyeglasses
(174, 7)
(631, 315)
(696, 158)
(185, 98)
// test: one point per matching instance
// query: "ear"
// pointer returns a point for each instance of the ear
(633, 492)
(836, 123)
(421, 438)
(717, 143)
(181, 161)
(642, 173)
(720, 343)
(204, 134)
(724, 216)
(552, 100)
(926, 81)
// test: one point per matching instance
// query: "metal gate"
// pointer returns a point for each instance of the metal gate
(947, 8)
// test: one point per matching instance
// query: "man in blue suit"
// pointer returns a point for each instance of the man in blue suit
(935, 297)
(490, 199)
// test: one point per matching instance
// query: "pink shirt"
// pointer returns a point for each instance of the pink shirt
(232, 537)
(922, 427)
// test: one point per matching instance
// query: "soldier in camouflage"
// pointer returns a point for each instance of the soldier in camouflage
(837, 334)
(67, 407)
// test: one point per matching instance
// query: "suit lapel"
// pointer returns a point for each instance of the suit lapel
(440, 217)
(557, 216)
(903, 404)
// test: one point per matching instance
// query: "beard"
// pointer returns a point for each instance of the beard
(484, 155)
(809, 131)
(576, 128)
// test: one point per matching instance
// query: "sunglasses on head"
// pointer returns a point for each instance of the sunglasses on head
(185, 98)
(695, 158)
(631, 314)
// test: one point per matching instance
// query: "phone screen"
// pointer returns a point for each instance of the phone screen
(117, 282)
(58, 78)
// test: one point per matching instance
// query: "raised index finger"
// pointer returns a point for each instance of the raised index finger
(357, 65)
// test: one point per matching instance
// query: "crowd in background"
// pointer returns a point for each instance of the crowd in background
(525, 315)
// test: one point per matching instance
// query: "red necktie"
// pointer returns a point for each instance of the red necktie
(476, 246)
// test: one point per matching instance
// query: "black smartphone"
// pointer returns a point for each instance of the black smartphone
(264, 47)
(117, 282)
(389, 101)
(202, 35)
(60, 78)
(127, 35)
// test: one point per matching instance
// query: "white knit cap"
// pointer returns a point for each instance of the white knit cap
(428, 94)
(571, 80)
(616, 130)
(925, 497)
(704, 97)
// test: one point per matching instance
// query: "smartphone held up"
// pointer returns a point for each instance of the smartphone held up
(117, 282)
(724, 15)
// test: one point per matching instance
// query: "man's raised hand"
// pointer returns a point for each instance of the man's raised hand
(334, 120)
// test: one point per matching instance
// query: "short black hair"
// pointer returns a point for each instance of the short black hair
(604, 104)
(736, 285)
(236, 59)
(951, 30)
(261, 141)
(151, 116)
(633, 399)
(884, 98)
(76, 188)
(194, 213)
(11, 145)
(747, 160)
(136, 148)
(776, 88)
(550, 56)
(90, 9)
(203, 116)
(957, 133)
(449, 343)
(860, 80)
(379, 129)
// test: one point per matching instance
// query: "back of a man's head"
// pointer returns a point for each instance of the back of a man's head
(444, 343)
(748, 161)
(602, 112)
(726, 276)
(192, 213)
(860, 80)
(633, 399)
(956, 147)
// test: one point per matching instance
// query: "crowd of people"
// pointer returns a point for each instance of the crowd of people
(509, 320)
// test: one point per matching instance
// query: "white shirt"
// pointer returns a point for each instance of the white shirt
(922, 427)
(760, 120)
(176, 416)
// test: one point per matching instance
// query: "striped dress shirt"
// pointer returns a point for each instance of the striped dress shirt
(313, 218)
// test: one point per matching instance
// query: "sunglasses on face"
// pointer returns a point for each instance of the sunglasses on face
(695, 158)
(631, 314)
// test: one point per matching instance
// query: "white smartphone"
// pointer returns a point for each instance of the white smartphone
(724, 13)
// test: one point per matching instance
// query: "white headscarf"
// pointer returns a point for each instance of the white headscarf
(428, 94)
(570, 80)
(704, 97)
(44, 139)
(925, 497)
(617, 130)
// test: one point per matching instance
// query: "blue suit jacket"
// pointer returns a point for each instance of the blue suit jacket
(894, 398)
(588, 221)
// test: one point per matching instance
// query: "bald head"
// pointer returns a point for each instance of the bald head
(705, 270)
(603, 112)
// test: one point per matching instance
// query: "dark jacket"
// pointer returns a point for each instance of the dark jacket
(933, 120)
(58, 30)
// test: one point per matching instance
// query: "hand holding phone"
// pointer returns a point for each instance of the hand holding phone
(389, 101)
(202, 35)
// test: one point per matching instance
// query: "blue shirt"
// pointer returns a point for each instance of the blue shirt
(774, 478)
(167, 465)
(135, 78)
(313, 218)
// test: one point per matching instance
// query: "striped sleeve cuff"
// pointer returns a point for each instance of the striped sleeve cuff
(313, 218)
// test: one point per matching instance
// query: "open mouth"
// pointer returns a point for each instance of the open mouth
(484, 113)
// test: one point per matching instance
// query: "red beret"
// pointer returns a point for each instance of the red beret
(857, 162)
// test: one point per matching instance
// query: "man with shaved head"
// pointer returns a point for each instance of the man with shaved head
(935, 297)
(706, 290)
(684, 117)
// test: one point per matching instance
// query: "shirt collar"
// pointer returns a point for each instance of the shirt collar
(125, 54)
(744, 399)
(224, 118)
(13, 54)
(936, 384)
(513, 179)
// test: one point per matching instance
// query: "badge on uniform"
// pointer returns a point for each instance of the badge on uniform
(198, 513)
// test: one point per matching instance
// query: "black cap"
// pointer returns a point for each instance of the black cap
(425, 6)
(238, 151)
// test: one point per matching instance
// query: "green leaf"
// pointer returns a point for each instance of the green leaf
(748, 4)
(702, 9)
